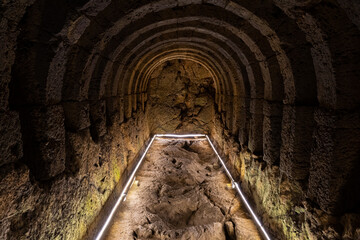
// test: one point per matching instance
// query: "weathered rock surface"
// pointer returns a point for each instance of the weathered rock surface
(181, 194)
(64, 206)
(180, 98)
(11, 146)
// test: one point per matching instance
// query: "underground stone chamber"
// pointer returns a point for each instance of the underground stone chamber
(85, 84)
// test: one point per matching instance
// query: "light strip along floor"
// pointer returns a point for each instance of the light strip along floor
(131, 179)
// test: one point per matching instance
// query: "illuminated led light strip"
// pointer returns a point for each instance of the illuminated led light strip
(123, 193)
(236, 186)
(180, 135)
(132, 179)
(222, 162)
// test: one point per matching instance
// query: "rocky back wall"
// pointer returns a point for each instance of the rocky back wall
(181, 98)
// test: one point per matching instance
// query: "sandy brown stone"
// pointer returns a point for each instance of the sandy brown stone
(181, 195)
(180, 98)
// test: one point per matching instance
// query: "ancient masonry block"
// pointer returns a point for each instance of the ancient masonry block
(272, 132)
(46, 141)
(256, 121)
(336, 139)
(296, 135)
(98, 119)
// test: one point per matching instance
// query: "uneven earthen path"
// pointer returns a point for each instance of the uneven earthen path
(182, 194)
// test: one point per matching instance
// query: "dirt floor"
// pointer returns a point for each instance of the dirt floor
(182, 193)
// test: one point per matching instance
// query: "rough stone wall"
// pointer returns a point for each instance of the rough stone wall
(282, 202)
(181, 98)
(60, 160)
(10, 143)
(64, 206)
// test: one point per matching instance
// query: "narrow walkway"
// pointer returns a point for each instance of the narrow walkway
(182, 193)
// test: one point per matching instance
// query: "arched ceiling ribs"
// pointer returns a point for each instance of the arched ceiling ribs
(203, 57)
(186, 55)
(181, 53)
(92, 49)
(221, 62)
(233, 50)
(225, 56)
(196, 51)
(275, 43)
(120, 69)
(163, 48)
(255, 22)
(160, 46)
(206, 51)
(263, 72)
(137, 34)
(156, 36)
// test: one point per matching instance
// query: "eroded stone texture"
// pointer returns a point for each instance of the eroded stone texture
(336, 148)
(45, 141)
(11, 14)
(296, 135)
(52, 209)
(113, 109)
(279, 201)
(98, 119)
(256, 126)
(272, 132)
(180, 98)
(18, 199)
(11, 147)
(182, 193)
(244, 119)
(350, 222)
(76, 115)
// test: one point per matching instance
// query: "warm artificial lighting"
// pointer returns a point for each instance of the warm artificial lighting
(123, 193)
(132, 183)
(221, 161)
(137, 183)
(132, 180)
(266, 235)
(180, 135)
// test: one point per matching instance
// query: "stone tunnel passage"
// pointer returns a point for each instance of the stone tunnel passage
(182, 193)
(84, 84)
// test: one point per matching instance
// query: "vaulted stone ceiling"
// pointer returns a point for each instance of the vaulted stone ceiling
(286, 78)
